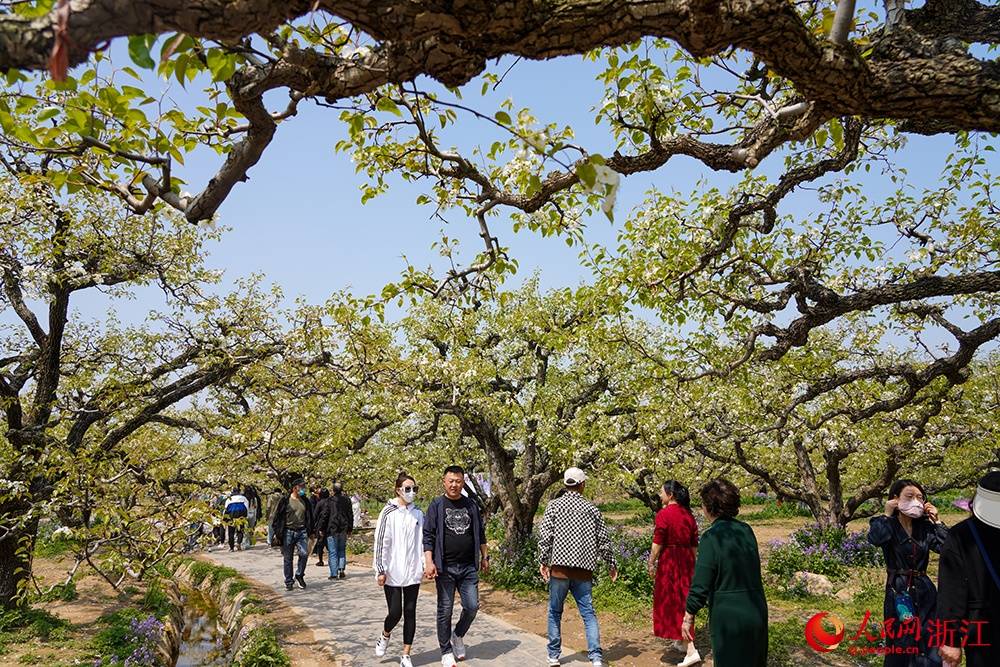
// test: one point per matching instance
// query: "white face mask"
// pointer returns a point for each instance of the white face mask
(912, 508)
(409, 496)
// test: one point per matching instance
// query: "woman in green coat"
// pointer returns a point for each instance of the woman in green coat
(727, 579)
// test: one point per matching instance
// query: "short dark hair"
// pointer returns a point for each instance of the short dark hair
(458, 470)
(402, 478)
(900, 484)
(721, 498)
(679, 492)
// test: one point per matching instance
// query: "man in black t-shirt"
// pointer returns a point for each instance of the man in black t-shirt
(454, 552)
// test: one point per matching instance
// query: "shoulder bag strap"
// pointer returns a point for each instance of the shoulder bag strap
(982, 551)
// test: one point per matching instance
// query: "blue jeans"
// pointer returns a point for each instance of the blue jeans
(466, 579)
(581, 590)
(336, 545)
(295, 540)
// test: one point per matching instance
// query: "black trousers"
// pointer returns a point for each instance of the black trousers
(402, 602)
(235, 534)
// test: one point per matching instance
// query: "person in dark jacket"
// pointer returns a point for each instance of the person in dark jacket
(291, 527)
(727, 579)
(968, 592)
(319, 499)
(335, 520)
(454, 552)
(908, 531)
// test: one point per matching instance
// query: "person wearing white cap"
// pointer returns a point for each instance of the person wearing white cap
(969, 582)
(571, 539)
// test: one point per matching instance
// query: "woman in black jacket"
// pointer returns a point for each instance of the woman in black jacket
(908, 531)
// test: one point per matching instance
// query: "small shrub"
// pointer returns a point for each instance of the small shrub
(515, 567)
(495, 531)
(156, 601)
(632, 554)
(821, 549)
(358, 544)
(238, 585)
(262, 650)
(128, 638)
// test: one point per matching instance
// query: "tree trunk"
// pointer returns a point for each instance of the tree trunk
(517, 530)
(15, 563)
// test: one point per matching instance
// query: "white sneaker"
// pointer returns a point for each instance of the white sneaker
(381, 645)
(458, 646)
(596, 663)
(692, 659)
(404, 661)
(553, 662)
(448, 660)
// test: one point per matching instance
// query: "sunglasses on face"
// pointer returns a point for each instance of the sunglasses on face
(407, 489)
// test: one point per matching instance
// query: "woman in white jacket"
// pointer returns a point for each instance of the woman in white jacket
(399, 563)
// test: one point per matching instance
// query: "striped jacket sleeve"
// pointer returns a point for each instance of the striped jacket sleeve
(383, 539)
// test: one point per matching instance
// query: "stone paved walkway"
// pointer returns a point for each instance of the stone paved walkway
(347, 616)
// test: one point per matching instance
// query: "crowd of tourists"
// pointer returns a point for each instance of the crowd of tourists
(719, 569)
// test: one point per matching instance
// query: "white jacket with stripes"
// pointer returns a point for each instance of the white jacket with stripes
(399, 551)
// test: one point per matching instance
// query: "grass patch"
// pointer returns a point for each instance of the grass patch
(783, 638)
(25, 625)
(156, 601)
(53, 546)
(630, 505)
(59, 592)
(262, 650)
(216, 574)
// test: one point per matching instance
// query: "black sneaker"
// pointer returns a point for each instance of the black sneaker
(341, 575)
(289, 587)
(331, 578)
(301, 580)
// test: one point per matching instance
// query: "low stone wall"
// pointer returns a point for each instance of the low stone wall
(239, 615)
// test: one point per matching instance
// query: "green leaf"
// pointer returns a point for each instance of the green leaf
(502, 117)
(47, 113)
(837, 133)
(587, 174)
(386, 104)
(138, 51)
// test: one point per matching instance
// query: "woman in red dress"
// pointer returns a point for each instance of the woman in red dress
(671, 564)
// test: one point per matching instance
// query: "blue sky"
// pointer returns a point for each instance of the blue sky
(299, 220)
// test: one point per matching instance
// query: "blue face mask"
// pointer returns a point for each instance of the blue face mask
(302, 492)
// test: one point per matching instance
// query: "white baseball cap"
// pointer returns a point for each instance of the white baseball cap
(574, 477)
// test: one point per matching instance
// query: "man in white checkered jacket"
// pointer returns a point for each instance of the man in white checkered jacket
(571, 539)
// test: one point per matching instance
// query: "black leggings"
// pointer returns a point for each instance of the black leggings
(402, 601)
(235, 534)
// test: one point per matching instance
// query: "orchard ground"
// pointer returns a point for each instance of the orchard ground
(66, 632)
